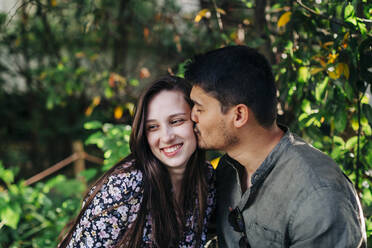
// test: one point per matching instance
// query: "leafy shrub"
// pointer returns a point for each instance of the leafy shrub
(112, 139)
(34, 216)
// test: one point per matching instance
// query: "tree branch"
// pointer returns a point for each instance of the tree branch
(364, 20)
(220, 25)
(321, 15)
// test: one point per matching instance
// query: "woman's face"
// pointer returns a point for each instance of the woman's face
(169, 129)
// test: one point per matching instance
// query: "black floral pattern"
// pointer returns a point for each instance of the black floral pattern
(115, 208)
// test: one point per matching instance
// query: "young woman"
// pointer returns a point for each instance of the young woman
(162, 194)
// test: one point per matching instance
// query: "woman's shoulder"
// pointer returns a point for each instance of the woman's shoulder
(112, 208)
(124, 180)
(126, 175)
(123, 184)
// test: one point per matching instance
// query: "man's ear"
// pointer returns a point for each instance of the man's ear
(241, 115)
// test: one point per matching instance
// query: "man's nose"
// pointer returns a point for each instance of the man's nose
(194, 116)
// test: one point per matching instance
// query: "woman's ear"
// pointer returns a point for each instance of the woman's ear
(241, 115)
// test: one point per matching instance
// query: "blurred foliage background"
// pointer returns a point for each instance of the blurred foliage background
(71, 71)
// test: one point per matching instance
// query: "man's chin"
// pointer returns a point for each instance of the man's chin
(203, 146)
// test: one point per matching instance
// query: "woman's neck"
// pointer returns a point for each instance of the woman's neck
(176, 176)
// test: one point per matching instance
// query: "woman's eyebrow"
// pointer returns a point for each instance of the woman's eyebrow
(171, 116)
(151, 120)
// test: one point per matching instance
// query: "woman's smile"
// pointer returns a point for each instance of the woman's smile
(171, 151)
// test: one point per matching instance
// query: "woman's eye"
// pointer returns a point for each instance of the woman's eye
(177, 121)
(151, 127)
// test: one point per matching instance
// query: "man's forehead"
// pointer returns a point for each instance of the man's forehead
(198, 94)
(201, 97)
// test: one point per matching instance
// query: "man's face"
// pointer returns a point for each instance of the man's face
(212, 127)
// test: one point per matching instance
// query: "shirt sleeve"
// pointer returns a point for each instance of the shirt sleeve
(326, 218)
(110, 213)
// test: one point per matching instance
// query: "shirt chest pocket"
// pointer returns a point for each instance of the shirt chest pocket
(262, 236)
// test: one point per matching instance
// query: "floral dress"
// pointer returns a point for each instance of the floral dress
(106, 219)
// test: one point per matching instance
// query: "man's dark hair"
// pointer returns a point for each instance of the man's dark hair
(235, 75)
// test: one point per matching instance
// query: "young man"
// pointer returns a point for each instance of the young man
(273, 189)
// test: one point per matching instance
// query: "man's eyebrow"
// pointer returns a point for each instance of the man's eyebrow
(196, 102)
(177, 114)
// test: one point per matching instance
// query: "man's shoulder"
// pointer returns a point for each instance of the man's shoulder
(303, 156)
(310, 167)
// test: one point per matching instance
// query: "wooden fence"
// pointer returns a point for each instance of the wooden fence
(78, 158)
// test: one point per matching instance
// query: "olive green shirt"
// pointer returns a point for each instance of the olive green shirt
(299, 198)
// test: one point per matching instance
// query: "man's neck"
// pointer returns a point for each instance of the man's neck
(254, 146)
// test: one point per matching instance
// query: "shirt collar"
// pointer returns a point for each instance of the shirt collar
(268, 164)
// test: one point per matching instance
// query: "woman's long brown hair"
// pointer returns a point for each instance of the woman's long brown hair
(167, 216)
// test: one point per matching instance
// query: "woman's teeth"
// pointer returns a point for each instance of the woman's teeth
(172, 149)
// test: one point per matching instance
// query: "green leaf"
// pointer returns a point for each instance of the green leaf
(355, 123)
(108, 92)
(349, 14)
(348, 91)
(289, 47)
(303, 74)
(339, 140)
(306, 106)
(10, 215)
(362, 28)
(6, 175)
(367, 129)
(320, 88)
(340, 120)
(310, 121)
(336, 152)
(107, 154)
(96, 139)
(292, 89)
(92, 125)
(181, 68)
(367, 110)
(368, 156)
(351, 143)
(318, 145)
(303, 116)
(349, 11)
(275, 6)
(352, 20)
(367, 196)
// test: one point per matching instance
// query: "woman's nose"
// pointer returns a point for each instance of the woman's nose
(168, 135)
